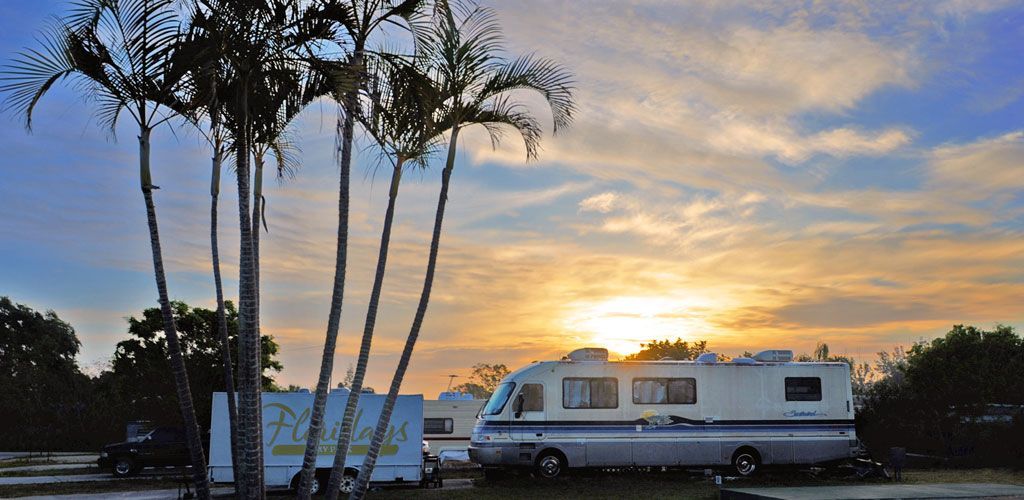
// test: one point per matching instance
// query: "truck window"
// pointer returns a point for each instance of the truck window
(438, 426)
(600, 392)
(497, 401)
(533, 397)
(803, 389)
(657, 391)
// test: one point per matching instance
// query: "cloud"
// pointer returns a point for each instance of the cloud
(984, 167)
(602, 203)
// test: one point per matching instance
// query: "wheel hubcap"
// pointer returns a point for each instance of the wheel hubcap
(348, 483)
(314, 486)
(122, 467)
(550, 466)
(745, 464)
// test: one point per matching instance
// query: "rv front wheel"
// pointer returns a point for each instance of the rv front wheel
(746, 461)
(550, 465)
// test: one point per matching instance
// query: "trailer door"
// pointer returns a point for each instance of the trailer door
(527, 421)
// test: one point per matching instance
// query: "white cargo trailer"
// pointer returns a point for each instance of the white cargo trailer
(586, 411)
(285, 427)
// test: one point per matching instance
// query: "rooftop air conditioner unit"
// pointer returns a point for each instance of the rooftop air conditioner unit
(774, 356)
(589, 354)
(708, 358)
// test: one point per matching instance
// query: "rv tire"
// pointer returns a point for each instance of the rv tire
(746, 461)
(551, 464)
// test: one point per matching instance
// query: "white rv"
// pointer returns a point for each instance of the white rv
(285, 427)
(448, 425)
(586, 411)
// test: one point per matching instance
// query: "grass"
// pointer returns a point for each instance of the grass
(21, 462)
(51, 472)
(588, 485)
(24, 490)
(595, 485)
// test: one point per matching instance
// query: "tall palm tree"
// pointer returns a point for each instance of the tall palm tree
(358, 20)
(119, 50)
(464, 49)
(259, 42)
(400, 122)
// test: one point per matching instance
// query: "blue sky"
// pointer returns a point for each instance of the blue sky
(757, 174)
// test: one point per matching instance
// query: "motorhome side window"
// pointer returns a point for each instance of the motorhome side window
(658, 391)
(533, 397)
(590, 392)
(438, 426)
(803, 389)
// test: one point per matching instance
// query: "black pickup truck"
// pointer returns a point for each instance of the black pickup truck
(162, 447)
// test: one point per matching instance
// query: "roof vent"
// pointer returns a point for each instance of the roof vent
(743, 361)
(708, 358)
(589, 354)
(774, 356)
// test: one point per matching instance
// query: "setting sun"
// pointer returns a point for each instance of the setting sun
(621, 324)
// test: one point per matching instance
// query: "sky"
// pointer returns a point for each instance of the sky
(754, 174)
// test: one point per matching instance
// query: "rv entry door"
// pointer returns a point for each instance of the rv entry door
(527, 419)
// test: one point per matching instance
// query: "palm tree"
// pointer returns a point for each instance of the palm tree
(358, 21)
(119, 50)
(260, 43)
(464, 52)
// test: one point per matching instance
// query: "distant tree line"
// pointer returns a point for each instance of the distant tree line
(48, 403)
(959, 397)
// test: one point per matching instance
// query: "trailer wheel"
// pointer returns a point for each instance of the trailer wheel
(124, 467)
(746, 461)
(348, 482)
(550, 464)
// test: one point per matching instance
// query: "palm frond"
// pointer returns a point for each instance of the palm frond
(34, 71)
(545, 76)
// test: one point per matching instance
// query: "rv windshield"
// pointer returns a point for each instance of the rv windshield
(497, 401)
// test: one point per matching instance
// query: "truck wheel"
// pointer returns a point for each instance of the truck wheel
(124, 467)
(550, 465)
(348, 483)
(746, 461)
(316, 483)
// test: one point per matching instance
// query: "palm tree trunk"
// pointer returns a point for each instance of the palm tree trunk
(323, 385)
(249, 362)
(222, 322)
(366, 471)
(177, 360)
(257, 208)
(345, 435)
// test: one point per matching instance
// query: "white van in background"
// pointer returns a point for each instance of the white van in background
(586, 411)
(448, 425)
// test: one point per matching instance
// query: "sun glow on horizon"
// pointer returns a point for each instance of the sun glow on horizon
(621, 324)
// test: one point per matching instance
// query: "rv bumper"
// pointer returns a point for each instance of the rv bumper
(493, 453)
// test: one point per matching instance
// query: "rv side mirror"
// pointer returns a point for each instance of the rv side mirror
(517, 407)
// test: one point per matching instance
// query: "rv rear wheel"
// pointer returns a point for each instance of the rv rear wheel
(550, 465)
(746, 461)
